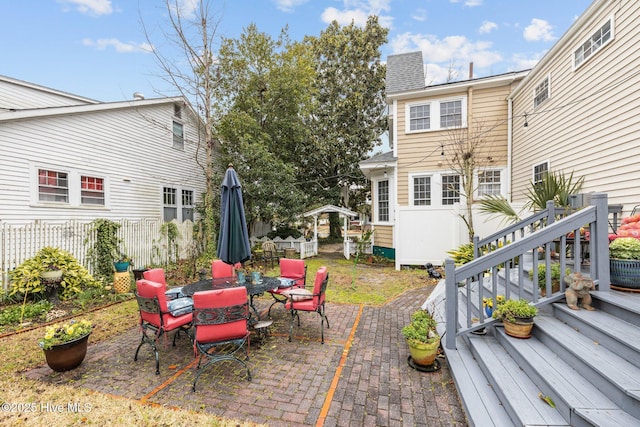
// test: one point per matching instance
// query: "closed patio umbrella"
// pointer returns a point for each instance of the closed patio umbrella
(233, 241)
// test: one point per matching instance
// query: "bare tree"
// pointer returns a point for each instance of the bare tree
(469, 151)
(191, 70)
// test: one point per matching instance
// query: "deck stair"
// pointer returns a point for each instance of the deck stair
(587, 362)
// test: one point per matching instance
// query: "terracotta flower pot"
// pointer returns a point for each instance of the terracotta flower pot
(67, 356)
(518, 329)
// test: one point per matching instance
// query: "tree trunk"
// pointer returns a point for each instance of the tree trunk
(335, 230)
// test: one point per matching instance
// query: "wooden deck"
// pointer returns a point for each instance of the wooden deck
(587, 362)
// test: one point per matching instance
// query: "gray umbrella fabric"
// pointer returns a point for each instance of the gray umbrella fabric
(233, 241)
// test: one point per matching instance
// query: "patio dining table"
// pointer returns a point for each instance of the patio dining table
(254, 289)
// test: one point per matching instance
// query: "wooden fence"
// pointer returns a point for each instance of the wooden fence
(142, 240)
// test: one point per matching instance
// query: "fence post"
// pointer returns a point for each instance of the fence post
(601, 246)
(451, 303)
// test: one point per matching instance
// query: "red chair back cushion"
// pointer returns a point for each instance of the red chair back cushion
(220, 298)
(293, 269)
(155, 275)
(149, 289)
(321, 275)
(220, 269)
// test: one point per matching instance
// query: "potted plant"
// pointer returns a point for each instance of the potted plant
(487, 303)
(122, 263)
(624, 262)
(555, 277)
(517, 316)
(65, 346)
(422, 338)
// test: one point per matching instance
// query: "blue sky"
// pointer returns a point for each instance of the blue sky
(97, 48)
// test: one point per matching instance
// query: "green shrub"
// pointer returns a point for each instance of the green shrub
(625, 248)
(26, 280)
(14, 314)
(422, 328)
(511, 309)
(542, 273)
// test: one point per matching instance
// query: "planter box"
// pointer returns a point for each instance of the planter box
(625, 273)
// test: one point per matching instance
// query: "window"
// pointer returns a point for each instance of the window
(450, 189)
(420, 118)
(422, 191)
(541, 92)
(53, 186)
(488, 182)
(600, 38)
(539, 172)
(436, 115)
(383, 201)
(91, 190)
(450, 114)
(177, 111)
(178, 135)
(187, 205)
(170, 206)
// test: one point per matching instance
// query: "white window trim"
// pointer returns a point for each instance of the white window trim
(175, 145)
(503, 183)
(533, 168)
(179, 206)
(579, 45)
(391, 201)
(434, 114)
(548, 78)
(412, 177)
(75, 188)
(436, 189)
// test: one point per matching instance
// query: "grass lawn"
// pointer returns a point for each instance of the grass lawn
(33, 403)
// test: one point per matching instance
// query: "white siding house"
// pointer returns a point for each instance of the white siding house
(66, 157)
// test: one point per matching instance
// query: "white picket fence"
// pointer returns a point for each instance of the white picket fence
(304, 248)
(142, 240)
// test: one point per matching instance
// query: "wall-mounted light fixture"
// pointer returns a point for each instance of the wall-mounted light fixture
(385, 171)
(526, 123)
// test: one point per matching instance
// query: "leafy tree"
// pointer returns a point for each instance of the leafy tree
(348, 110)
(263, 90)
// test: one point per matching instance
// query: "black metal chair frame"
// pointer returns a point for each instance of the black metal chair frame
(216, 316)
(152, 306)
(320, 310)
(282, 299)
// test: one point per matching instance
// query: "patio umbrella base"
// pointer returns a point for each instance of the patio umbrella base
(435, 366)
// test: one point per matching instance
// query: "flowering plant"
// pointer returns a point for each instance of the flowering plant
(60, 334)
(488, 302)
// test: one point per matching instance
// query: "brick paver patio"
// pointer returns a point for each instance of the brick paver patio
(359, 377)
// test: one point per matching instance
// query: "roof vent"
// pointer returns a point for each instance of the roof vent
(138, 96)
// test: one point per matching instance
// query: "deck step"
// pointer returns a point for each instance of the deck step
(613, 375)
(623, 305)
(482, 406)
(516, 391)
(619, 336)
(604, 417)
(554, 376)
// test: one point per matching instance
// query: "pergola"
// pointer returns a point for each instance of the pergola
(344, 212)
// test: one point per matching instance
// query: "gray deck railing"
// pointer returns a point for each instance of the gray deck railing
(540, 230)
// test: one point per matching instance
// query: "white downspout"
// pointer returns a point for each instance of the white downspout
(509, 147)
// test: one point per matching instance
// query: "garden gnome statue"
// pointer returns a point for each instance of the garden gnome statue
(578, 286)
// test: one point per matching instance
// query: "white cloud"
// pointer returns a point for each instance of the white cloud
(90, 7)
(358, 11)
(469, 3)
(539, 29)
(523, 62)
(288, 5)
(440, 53)
(487, 27)
(419, 15)
(120, 47)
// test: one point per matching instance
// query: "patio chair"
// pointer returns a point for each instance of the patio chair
(293, 275)
(157, 275)
(305, 300)
(157, 316)
(220, 317)
(270, 253)
(220, 269)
